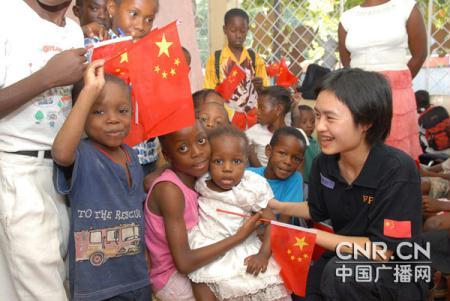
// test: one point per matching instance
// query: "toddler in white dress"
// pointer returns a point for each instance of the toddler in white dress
(246, 272)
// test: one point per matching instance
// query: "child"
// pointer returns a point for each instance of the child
(273, 104)
(205, 96)
(365, 187)
(172, 209)
(40, 58)
(135, 18)
(93, 17)
(285, 153)
(104, 180)
(242, 105)
(246, 272)
(303, 117)
(212, 115)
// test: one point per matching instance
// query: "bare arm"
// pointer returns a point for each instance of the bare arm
(63, 69)
(298, 209)
(170, 202)
(344, 54)
(417, 41)
(66, 142)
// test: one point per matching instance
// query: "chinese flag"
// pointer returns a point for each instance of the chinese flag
(397, 229)
(229, 85)
(285, 78)
(115, 54)
(318, 250)
(160, 83)
(273, 69)
(292, 248)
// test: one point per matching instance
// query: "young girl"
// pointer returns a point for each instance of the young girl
(212, 115)
(273, 104)
(103, 179)
(370, 191)
(246, 272)
(172, 209)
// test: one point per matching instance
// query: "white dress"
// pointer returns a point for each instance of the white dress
(226, 276)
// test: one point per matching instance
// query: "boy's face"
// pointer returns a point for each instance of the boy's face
(109, 120)
(236, 31)
(284, 157)
(212, 115)
(188, 150)
(228, 161)
(307, 122)
(267, 111)
(92, 11)
(133, 17)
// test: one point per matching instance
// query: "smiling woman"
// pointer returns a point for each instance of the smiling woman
(361, 185)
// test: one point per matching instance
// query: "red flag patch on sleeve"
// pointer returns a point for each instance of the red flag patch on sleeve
(397, 229)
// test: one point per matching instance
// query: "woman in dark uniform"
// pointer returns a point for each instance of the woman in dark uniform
(369, 191)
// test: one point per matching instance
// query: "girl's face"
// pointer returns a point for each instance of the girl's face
(188, 150)
(284, 157)
(212, 115)
(336, 130)
(109, 120)
(228, 161)
(134, 17)
(267, 111)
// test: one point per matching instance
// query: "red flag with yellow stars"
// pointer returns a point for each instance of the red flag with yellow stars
(273, 69)
(160, 81)
(285, 77)
(115, 54)
(229, 84)
(397, 229)
(292, 248)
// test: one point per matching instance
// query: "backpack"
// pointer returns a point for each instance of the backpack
(436, 121)
(218, 53)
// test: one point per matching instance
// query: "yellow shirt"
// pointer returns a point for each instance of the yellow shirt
(245, 96)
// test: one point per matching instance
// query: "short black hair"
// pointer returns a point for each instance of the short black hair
(279, 95)
(200, 96)
(77, 87)
(368, 97)
(287, 131)
(422, 99)
(235, 12)
(230, 131)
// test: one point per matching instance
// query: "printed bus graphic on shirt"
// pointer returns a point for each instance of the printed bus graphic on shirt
(98, 245)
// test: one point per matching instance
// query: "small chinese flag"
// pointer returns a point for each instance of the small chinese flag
(115, 54)
(273, 69)
(318, 250)
(285, 78)
(229, 85)
(160, 81)
(397, 229)
(292, 248)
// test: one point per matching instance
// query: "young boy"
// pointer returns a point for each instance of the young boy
(93, 17)
(212, 115)
(285, 153)
(241, 107)
(103, 180)
(273, 104)
(303, 117)
(40, 59)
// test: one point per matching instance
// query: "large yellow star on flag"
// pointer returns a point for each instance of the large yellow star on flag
(300, 242)
(164, 46)
(124, 57)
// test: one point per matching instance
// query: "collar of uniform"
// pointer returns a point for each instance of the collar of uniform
(228, 53)
(369, 172)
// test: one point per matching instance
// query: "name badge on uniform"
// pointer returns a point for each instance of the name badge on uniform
(326, 182)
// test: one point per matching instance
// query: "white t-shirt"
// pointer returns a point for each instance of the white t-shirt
(376, 36)
(259, 136)
(27, 42)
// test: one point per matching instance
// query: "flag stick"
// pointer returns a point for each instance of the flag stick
(264, 220)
